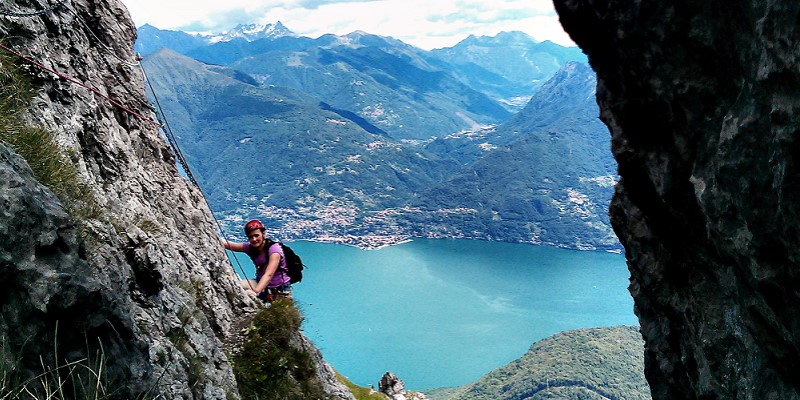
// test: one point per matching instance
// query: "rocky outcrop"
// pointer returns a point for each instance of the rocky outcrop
(149, 285)
(325, 373)
(392, 386)
(701, 101)
(395, 389)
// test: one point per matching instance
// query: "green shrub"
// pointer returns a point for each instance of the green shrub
(271, 364)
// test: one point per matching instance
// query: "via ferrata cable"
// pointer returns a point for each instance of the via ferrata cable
(167, 129)
(47, 10)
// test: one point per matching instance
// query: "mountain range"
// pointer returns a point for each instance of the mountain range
(363, 135)
(150, 38)
(508, 67)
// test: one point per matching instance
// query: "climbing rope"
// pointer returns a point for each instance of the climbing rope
(173, 143)
(50, 9)
(99, 42)
(167, 129)
(88, 29)
(79, 83)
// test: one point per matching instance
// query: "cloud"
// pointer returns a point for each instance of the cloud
(471, 12)
(423, 23)
(220, 22)
(315, 4)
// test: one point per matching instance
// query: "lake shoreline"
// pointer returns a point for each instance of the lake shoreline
(378, 242)
(444, 312)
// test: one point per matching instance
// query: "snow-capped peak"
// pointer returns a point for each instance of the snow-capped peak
(252, 32)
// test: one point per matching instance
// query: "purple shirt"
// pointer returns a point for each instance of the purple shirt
(280, 277)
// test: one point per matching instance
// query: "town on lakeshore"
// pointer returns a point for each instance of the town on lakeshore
(367, 242)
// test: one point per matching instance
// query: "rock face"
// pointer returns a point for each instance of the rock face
(153, 263)
(49, 285)
(150, 284)
(701, 100)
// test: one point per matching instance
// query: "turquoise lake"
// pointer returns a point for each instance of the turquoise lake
(445, 312)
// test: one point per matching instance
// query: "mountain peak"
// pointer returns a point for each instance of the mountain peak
(514, 37)
(572, 69)
(253, 32)
(574, 84)
(501, 39)
(361, 38)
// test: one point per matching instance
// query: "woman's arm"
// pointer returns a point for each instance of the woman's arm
(233, 246)
(274, 260)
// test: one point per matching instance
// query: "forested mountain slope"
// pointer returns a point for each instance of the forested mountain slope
(599, 363)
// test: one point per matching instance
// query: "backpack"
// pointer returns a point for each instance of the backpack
(294, 264)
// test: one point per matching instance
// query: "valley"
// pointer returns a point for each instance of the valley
(367, 141)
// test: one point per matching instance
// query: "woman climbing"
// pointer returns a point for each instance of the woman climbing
(272, 277)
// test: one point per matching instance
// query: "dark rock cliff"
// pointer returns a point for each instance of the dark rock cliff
(701, 98)
(145, 284)
(48, 286)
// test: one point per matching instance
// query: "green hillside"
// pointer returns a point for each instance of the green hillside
(305, 166)
(386, 83)
(550, 165)
(600, 363)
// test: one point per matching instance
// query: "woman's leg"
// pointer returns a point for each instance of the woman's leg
(283, 292)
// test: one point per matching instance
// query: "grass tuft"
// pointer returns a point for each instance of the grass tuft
(360, 392)
(59, 379)
(50, 165)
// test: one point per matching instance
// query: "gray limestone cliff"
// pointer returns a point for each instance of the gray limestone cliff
(702, 99)
(146, 285)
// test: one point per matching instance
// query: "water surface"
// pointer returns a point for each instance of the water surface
(445, 312)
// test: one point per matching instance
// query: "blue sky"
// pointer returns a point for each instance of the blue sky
(423, 23)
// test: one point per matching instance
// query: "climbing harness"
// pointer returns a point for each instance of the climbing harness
(271, 294)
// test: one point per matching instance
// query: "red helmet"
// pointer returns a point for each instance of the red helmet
(253, 225)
